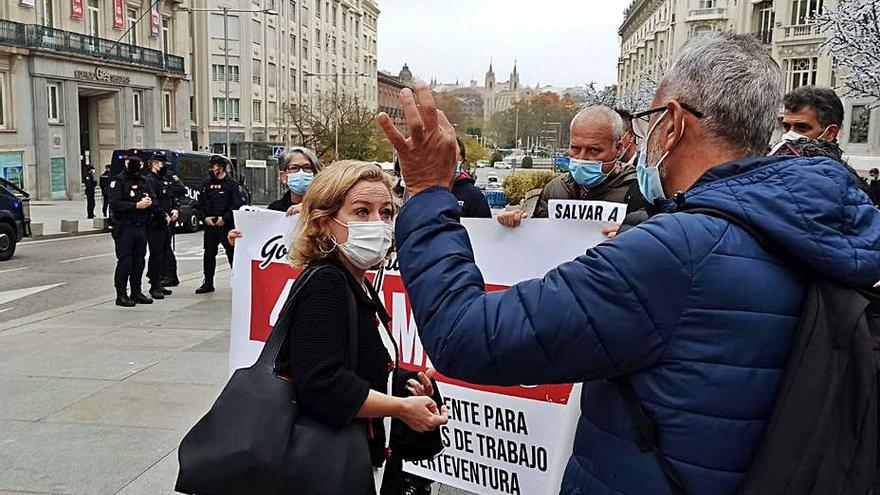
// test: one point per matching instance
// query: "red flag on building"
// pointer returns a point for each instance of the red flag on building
(76, 9)
(118, 15)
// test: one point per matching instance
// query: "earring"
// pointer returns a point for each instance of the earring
(323, 242)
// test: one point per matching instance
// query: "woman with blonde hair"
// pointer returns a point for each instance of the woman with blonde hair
(346, 224)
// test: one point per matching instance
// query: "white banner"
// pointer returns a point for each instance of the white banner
(499, 440)
(597, 211)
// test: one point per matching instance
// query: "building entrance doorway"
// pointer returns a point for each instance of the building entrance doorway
(99, 129)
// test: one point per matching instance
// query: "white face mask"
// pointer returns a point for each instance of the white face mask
(368, 242)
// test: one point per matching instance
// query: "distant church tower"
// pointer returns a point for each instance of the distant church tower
(514, 78)
(489, 94)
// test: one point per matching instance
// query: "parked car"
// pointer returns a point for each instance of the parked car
(482, 163)
(501, 165)
(15, 217)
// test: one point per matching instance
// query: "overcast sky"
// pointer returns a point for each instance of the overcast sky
(558, 42)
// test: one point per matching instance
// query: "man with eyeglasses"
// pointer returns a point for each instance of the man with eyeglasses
(296, 170)
(686, 314)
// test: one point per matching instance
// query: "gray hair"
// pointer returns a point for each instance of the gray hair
(734, 82)
(287, 155)
(592, 114)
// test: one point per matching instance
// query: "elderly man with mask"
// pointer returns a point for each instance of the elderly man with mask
(688, 307)
(594, 168)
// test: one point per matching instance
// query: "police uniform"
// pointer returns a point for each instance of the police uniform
(129, 234)
(158, 229)
(218, 199)
(176, 189)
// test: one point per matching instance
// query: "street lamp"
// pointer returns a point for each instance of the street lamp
(226, 11)
(335, 76)
(558, 126)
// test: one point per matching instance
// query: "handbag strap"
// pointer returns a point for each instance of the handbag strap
(351, 354)
(269, 354)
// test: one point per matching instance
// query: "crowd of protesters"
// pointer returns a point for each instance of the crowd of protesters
(688, 312)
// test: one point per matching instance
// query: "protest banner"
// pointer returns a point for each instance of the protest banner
(499, 440)
(575, 209)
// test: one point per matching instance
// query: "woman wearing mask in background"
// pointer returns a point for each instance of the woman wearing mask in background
(347, 225)
(297, 169)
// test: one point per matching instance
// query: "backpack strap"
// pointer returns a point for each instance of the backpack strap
(648, 437)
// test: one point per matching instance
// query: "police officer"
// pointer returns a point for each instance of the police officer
(104, 184)
(90, 182)
(220, 196)
(162, 214)
(177, 191)
(130, 204)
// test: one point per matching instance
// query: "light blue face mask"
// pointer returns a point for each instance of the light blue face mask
(587, 173)
(298, 182)
(648, 176)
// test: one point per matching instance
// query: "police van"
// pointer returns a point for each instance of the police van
(15, 218)
(192, 168)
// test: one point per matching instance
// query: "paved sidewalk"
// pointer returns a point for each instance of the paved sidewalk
(96, 398)
(51, 213)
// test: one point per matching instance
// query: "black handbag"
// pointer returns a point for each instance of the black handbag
(256, 440)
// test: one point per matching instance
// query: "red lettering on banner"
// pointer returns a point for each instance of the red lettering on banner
(268, 285)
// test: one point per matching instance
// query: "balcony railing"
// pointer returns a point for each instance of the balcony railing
(46, 38)
(800, 31)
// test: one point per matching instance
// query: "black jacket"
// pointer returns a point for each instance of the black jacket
(219, 198)
(163, 200)
(283, 203)
(126, 190)
(325, 388)
(472, 201)
(874, 188)
(90, 182)
(104, 182)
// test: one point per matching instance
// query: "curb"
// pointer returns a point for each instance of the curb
(63, 235)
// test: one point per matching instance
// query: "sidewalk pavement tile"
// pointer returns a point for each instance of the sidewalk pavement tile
(219, 343)
(31, 339)
(102, 317)
(172, 406)
(84, 362)
(205, 368)
(77, 459)
(158, 480)
(150, 338)
(31, 398)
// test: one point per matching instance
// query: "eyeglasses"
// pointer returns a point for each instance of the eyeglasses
(641, 122)
(294, 168)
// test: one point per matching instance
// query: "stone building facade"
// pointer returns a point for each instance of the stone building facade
(653, 32)
(80, 78)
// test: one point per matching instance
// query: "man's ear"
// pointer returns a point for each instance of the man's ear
(672, 129)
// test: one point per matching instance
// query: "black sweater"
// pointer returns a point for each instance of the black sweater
(325, 388)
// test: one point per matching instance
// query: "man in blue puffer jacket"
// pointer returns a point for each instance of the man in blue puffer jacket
(688, 306)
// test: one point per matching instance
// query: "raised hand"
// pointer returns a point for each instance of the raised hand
(427, 157)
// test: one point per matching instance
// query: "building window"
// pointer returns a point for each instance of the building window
(271, 39)
(293, 45)
(273, 113)
(218, 68)
(292, 14)
(53, 95)
(293, 78)
(257, 34)
(93, 19)
(166, 35)
(219, 111)
(272, 75)
(167, 110)
(707, 4)
(800, 72)
(305, 53)
(3, 99)
(136, 107)
(133, 17)
(258, 111)
(48, 13)
(334, 14)
(318, 9)
(804, 10)
(258, 72)
(217, 27)
(859, 124)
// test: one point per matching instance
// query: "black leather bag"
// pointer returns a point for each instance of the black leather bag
(256, 440)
